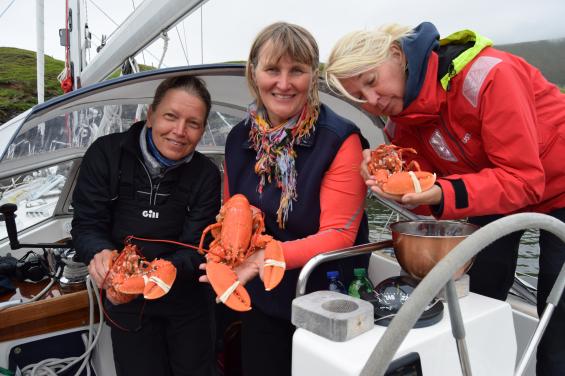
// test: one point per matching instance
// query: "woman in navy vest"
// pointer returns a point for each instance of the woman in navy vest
(150, 182)
(298, 162)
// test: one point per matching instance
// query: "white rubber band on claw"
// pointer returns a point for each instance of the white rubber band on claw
(271, 262)
(159, 282)
(415, 182)
(224, 297)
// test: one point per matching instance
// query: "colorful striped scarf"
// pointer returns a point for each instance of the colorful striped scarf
(275, 152)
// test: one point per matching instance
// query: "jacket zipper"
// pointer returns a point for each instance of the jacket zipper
(459, 147)
(150, 182)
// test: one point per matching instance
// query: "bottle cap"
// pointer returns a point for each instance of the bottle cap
(332, 274)
(359, 272)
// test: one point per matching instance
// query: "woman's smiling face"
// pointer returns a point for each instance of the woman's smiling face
(177, 123)
(283, 86)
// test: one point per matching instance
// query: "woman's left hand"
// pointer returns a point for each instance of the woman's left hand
(246, 271)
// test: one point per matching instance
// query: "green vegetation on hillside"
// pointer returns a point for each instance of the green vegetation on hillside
(547, 55)
(18, 87)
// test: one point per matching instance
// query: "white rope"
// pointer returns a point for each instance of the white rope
(63, 75)
(52, 366)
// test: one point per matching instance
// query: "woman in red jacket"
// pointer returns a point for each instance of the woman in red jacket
(484, 120)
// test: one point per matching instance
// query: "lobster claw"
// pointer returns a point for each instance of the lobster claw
(274, 266)
(154, 282)
(227, 287)
(401, 183)
(160, 279)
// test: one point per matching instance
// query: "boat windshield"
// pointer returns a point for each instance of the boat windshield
(79, 128)
(63, 138)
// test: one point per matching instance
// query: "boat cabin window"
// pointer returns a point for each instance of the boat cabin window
(65, 137)
(79, 128)
(36, 193)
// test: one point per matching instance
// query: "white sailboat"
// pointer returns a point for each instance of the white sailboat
(40, 155)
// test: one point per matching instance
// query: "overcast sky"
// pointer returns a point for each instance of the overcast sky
(229, 26)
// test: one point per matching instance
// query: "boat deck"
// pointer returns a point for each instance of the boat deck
(55, 311)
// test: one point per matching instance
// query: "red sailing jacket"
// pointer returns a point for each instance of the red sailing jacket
(496, 136)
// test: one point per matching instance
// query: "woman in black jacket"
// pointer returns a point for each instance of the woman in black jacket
(151, 183)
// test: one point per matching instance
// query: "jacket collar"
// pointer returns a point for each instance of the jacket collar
(426, 106)
(432, 95)
(461, 61)
(131, 141)
(417, 47)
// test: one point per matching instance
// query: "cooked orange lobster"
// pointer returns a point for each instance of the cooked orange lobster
(130, 275)
(238, 233)
(392, 174)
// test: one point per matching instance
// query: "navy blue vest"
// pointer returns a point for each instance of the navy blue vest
(315, 155)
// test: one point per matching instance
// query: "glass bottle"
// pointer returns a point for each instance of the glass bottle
(361, 286)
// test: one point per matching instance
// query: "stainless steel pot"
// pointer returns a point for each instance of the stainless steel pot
(419, 245)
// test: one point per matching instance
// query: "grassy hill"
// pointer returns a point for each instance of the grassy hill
(18, 90)
(547, 55)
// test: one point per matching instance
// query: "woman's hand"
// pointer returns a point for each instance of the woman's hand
(100, 265)
(246, 271)
(430, 197)
(364, 166)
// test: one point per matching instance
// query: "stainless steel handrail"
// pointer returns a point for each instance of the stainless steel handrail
(335, 255)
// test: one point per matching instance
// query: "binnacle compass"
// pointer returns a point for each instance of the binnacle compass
(389, 296)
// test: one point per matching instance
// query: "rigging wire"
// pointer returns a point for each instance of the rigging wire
(182, 46)
(149, 52)
(184, 34)
(165, 47)
(104, 13)
(115, 23)
(8, 7)
(201, 35)
(142, 51)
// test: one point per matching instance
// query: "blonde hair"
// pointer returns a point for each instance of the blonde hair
(360, 51)
(285, 39)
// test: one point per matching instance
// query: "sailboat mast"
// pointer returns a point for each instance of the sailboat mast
(40, 55)
(147, 23)
(74, 34)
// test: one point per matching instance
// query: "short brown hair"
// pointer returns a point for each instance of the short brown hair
(189, 84)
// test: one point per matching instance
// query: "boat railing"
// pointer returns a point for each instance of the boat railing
(335, 255)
